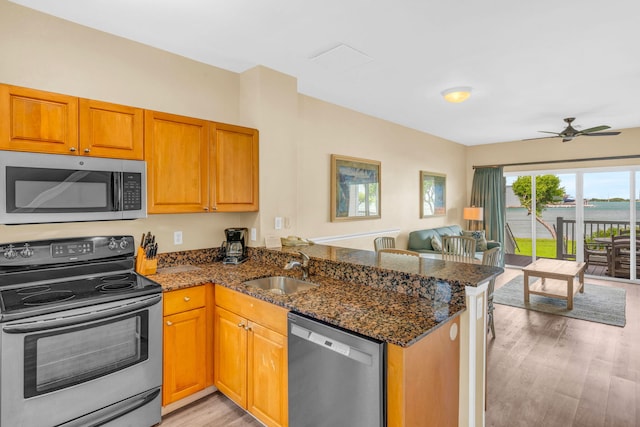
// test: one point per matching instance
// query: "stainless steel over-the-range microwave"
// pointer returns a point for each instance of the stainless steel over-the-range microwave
(41, 188)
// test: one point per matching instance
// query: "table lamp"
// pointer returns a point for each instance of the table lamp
(473, 214)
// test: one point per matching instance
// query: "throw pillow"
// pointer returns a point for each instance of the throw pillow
(481, 240)
(436, 243)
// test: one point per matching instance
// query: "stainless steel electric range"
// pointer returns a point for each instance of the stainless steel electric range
(80, 335)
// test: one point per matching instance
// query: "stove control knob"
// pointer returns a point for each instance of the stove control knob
(26, 252)
(113, 245)
(123, 243)
(10, 253)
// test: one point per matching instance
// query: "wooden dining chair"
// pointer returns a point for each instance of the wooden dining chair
(491, 257)
(384, 243)
(397, 252)
(459, 248)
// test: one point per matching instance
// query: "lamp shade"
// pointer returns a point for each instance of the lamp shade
(473, 214)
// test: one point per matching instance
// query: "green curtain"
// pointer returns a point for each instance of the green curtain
(488, 191)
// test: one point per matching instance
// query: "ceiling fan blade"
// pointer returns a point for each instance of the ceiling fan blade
(567, 139)
(541, 137)
(546, 131)
(601, 134)
(595, 129)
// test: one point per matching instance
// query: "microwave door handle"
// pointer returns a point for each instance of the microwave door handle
(21, 328)
(117, 193)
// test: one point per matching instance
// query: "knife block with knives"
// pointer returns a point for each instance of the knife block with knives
(147, 261)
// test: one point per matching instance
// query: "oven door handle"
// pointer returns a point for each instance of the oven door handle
(54, 323)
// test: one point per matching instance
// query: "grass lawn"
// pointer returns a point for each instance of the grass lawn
(545, 248)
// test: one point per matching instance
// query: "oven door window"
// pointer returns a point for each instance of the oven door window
(43, 190)
(62, 358)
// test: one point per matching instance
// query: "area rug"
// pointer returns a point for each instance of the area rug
(602, 304)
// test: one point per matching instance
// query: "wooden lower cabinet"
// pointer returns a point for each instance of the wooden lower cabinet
(187, 345)
(267, 375)
(250, 359)
(423, 380)
(230, 355)
(184, 361)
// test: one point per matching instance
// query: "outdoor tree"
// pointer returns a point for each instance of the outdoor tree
(548, 190)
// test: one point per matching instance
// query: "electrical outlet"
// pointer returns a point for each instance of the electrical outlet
(177, 237)
(253, 234)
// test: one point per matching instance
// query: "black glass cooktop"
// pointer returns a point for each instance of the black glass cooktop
(23, 301)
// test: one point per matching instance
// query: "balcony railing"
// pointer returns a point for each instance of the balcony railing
(566, 232)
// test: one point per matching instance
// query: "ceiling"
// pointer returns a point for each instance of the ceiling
(530, 64)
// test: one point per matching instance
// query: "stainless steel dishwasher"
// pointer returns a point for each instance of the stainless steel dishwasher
(336, 377)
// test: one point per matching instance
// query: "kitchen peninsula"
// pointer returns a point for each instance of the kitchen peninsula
(414, 305)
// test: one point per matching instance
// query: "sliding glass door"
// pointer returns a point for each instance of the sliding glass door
(572, 215)
(534, 212)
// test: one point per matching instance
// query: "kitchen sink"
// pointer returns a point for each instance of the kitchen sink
(281, 285)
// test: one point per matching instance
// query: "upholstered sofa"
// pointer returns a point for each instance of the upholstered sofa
(421, 240)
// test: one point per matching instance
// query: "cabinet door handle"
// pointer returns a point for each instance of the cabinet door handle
(206, 208)
(86, 150)
(240, 325)
(72, 148)
(247, 328)
(187, 299)
(215, 208)
(169, 323)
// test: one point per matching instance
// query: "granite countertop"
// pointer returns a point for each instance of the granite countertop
(397, 317)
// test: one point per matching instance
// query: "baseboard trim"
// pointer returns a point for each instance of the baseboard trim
(187, 400)
(327, 239)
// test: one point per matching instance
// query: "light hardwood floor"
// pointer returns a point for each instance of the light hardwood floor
(214, 410)
(551, 370)
(543, 370)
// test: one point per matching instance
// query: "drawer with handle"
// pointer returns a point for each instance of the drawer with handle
(184, 299)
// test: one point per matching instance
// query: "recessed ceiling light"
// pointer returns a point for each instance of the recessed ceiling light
(457, 94)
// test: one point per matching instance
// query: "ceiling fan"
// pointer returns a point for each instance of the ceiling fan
(570, 132)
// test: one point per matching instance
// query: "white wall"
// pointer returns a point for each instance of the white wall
(327, 129)
(625, 144)
(297, 134)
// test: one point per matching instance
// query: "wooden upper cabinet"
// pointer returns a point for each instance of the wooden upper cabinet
(234, 168)
(111, 130)
(37, 121)
(176, 151)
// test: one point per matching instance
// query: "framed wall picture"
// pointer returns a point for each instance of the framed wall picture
(433, 194)
(355, 188)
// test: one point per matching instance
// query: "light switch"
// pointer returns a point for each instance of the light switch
(278, 223)
(253, 234)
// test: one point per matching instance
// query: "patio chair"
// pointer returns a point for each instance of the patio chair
(459, 248)
(595, 254)
(491, 257)
(384, 243)
(619, 256)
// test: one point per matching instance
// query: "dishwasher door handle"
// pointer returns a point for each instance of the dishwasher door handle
(332, 344)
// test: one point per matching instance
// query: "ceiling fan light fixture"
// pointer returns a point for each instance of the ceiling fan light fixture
(457, 94)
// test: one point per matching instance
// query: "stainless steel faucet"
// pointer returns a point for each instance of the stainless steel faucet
(304, 265)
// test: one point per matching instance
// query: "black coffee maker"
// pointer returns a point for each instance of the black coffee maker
(234, 249)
